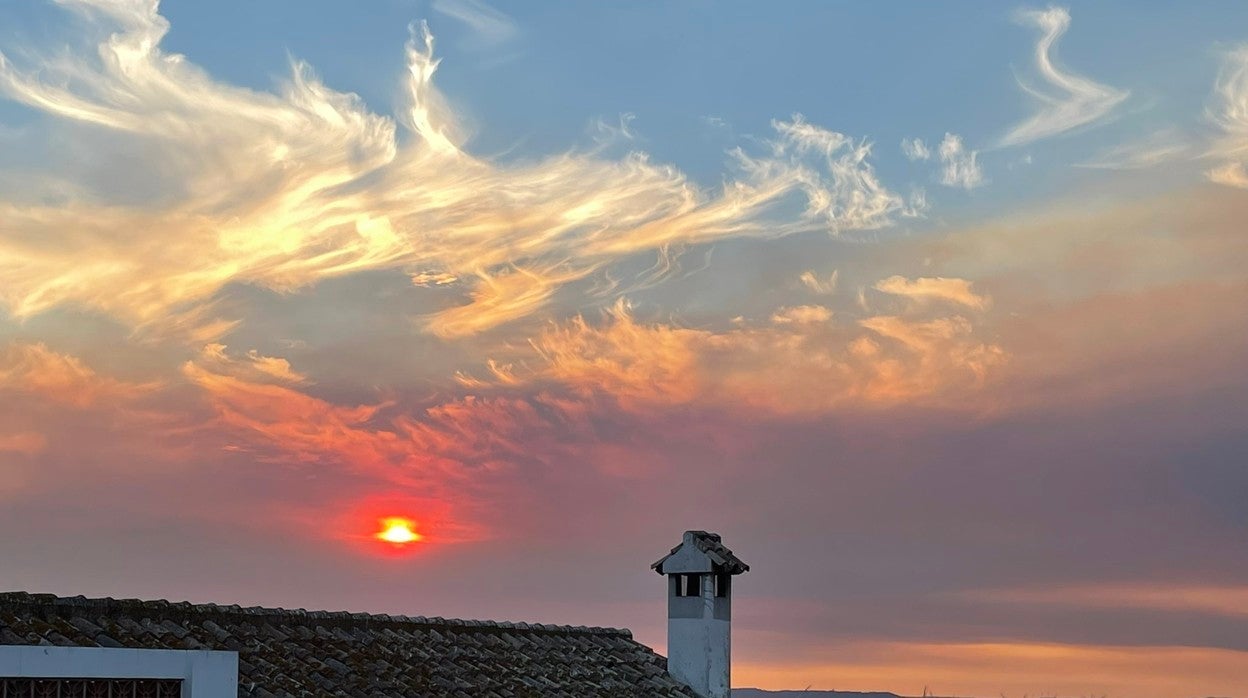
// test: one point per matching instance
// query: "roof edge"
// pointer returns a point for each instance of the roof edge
(52, 604)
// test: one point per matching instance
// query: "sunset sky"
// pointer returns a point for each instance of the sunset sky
(935, 311)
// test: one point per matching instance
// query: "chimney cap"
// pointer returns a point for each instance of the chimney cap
(711, 547)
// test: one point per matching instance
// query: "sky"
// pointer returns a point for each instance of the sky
(935, 311)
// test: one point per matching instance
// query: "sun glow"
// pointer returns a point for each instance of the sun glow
(398, 531)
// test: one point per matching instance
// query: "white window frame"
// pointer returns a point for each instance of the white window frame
(204, 673)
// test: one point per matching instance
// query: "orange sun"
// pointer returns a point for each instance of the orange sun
(398, 530)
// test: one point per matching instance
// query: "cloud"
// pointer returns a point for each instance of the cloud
(831, 169)
(278, 422)
(24, 442)
(915, 149)
(801, 315)
(254, 366)
(797, 361)
(1006, 668)
(1218, 600)
(284, 190)
(822, 287)
(923, 290)
(1158, 147)
(1106, 302)
(1232, 174)
(37, 371)
(1072, 100)
(1230, 115)
(458, 456)
(959, 167)
(497, 299)
(433, 278)
(489, 25)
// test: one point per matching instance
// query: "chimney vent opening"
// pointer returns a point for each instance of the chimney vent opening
(688, 584)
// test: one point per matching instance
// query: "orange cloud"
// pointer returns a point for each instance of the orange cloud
(36, 370)
(1220, 600)
(301, 427)
(1108, 303)
(448, 458)
(1009, 669)
(925, 290)
(253, 366)
(801, 315)
(799, 361)
(24, 442)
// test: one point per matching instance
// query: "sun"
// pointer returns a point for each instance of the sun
(398, 530)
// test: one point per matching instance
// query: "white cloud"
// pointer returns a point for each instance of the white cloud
(1160, 146)
(1230, 114)
(831, 169)
(489, 26)
(915, 149)
(433, 278)
(1232, 174)
(283, 190)
(959, 166)
(1071, 100)
(916, 205)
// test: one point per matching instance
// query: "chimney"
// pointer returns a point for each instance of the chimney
(699, 575)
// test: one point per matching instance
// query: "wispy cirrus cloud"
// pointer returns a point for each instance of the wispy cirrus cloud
(1230, 115)
(1071, 100)
(489, 25)
(959, 166)
(821, 286)
(285, 190)
(1165, 145)
(915, 149)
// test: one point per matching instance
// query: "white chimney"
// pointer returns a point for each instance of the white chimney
(699, 575)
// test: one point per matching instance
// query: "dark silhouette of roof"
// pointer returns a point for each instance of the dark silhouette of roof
(316, 653)
(709, 543)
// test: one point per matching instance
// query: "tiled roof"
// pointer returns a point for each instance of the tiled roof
(316, 653)
(714, 548)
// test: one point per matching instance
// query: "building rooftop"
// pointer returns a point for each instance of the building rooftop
(285, 652)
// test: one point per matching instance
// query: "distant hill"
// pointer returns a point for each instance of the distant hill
(759, 693)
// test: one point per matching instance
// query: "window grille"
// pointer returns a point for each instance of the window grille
(90, 688)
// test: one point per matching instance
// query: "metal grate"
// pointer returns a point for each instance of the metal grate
(90, 688)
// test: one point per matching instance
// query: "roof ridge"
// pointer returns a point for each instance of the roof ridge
(52, 602)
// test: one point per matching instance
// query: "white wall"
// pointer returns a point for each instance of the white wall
(204, 674)
(699, 655)
(699, 649)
